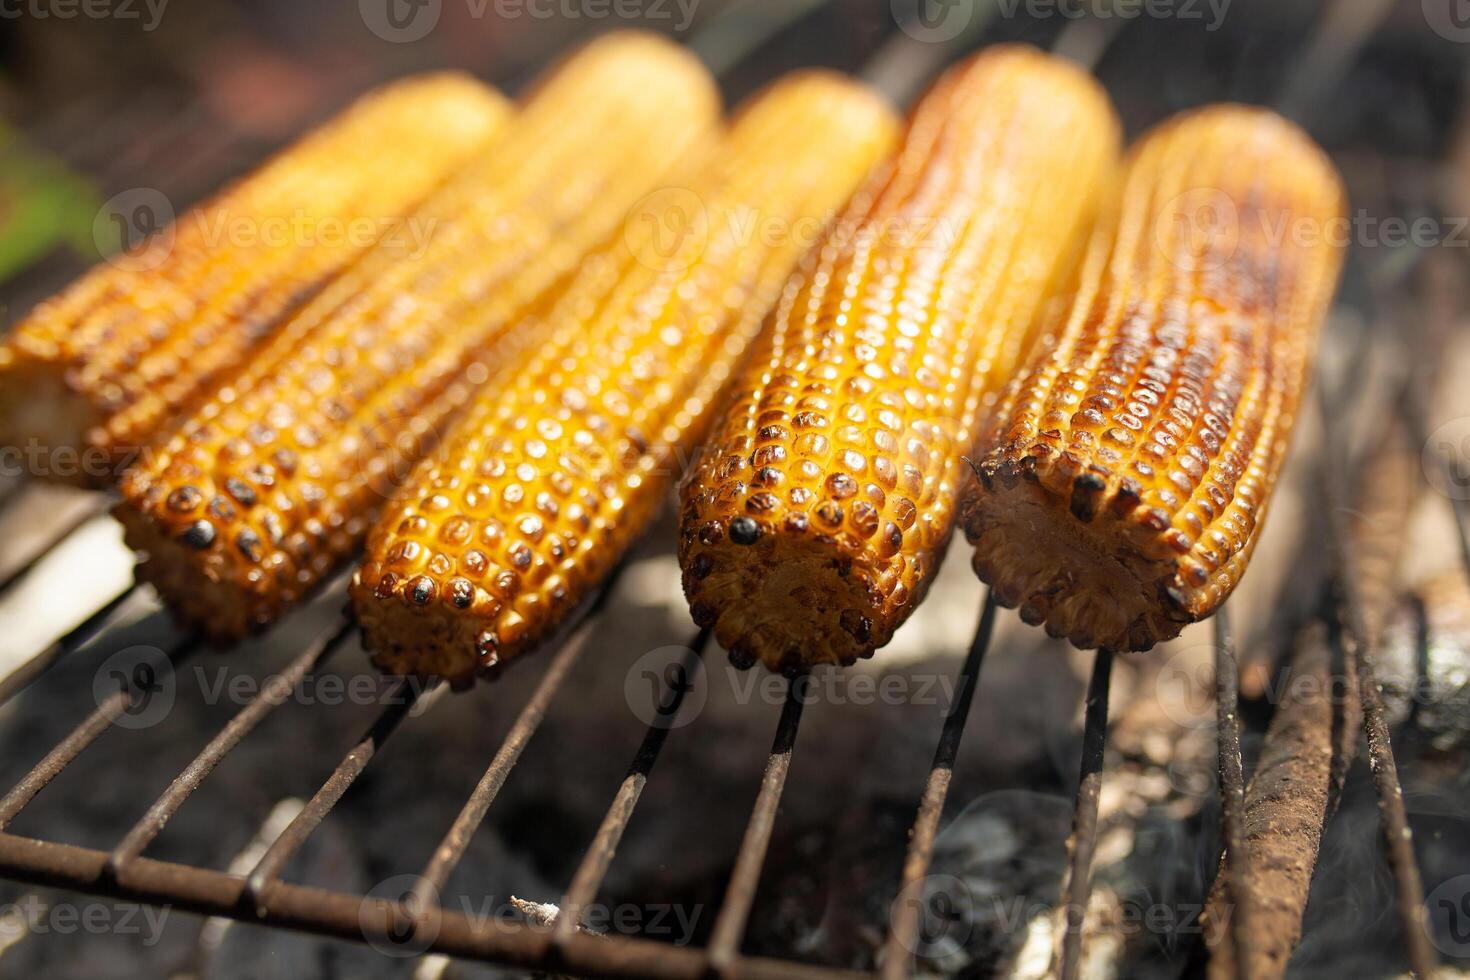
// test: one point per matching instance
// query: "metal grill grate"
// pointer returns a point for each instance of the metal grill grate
(261, 896)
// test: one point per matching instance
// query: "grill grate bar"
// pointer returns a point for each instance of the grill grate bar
(1078, 889)
(903, 932)
(266, 700)
(729, 928)
(267, 871)
(593, 869)
(345, 916)
(20, 678)
(91, 727)
(1232, 793)
(66, 530)
(1408, 883)
(452, 848)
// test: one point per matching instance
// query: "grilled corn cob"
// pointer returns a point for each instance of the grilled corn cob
(815, 520)
(563, 461)
(102, 366)
(1133, 464)
(275, 479)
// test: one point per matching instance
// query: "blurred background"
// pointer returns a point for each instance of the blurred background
(102, 101)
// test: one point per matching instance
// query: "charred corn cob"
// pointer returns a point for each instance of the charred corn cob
(562, 462)
(102, 366)
(1133, 464)
(275, 479)
(814, 521)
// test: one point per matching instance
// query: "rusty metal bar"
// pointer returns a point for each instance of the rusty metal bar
(91, 727)
(1078, 888)
(20, 678)
(903, 931)
(264, 878)
(729, 928)
(275, 692)
(353, 917)
(1232, 792)
(1399, 838)
(595, 863)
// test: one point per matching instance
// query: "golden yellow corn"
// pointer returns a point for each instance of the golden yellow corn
(94, 373)
(1130, 469)
(565, 459)
(816, 517)
(276, 478)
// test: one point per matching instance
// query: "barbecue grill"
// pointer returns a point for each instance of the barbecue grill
(747, 40)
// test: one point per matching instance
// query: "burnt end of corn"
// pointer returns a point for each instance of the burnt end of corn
(1129, 469)
(102, 366)
(290, 461)
(566, 456)
(815, 522)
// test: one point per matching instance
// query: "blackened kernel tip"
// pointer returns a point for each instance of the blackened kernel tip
(745, 530)
(461, 593)
(199, 535)
(184, 499)
(742, 658)
(243, 493)
(421, 590)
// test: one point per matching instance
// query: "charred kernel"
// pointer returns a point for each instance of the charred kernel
(864, 518)
(711, 532)
(199, 535)
(387, 586)
(841, 486)
(829, 512)
(461, 593)
(760, 503)
(249, 544)
(273, 527)
(520, 556)
(768, 456)
(421, 590)
(243, 492)
(745, 530)
(767, 476)
(702, 565)
(796, 523)
(184, 499)
(858, 626)
(741, 657)
(704, 614)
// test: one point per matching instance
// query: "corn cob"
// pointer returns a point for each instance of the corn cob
(564, 460)
(814, 521)
(1132, 466)
(103, 365)
(275, 479)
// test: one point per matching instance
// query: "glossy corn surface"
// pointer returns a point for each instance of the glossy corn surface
(1133, 463)
(275, 480)
(565, 458)
(101, 367)
(817, 514)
